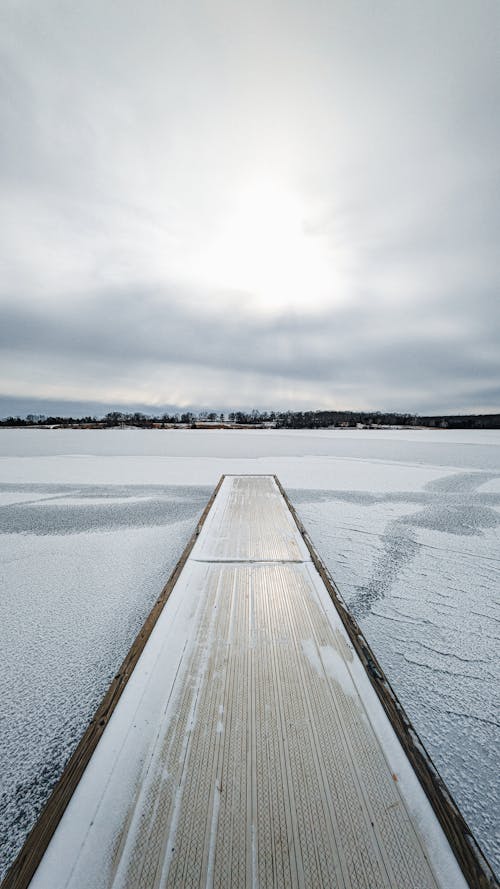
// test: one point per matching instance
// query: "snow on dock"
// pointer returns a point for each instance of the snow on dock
(249, 747)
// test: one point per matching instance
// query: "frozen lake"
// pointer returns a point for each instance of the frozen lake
(92, 522)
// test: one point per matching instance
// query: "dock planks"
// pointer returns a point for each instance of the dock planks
(249, 748)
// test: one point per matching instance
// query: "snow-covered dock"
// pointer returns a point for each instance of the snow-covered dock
(256, 743)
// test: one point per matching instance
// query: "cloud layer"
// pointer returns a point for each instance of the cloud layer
(272, 205)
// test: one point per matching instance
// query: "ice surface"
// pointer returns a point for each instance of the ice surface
(78, 580)
(405, 458)
(421, 574)
(408, 522)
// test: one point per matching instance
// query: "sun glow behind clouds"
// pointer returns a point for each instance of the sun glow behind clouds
(262, 248)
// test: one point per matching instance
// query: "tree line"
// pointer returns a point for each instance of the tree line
(255, 418)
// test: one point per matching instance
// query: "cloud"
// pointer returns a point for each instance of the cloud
(132, 141)
(155, 347)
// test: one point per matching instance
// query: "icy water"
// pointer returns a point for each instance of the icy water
(420, 572)
(91, 524)
(81, 569)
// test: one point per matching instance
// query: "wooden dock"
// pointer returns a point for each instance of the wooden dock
(256, 743)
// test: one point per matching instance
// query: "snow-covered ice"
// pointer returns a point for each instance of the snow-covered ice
(91, 523)
(79, 575)
(420, 572)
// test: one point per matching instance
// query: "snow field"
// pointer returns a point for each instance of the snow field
(91, 524)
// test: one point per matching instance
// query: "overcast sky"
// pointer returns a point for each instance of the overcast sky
(250, 204)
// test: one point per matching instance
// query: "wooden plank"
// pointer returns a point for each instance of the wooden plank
(266, 767)
(268, 736)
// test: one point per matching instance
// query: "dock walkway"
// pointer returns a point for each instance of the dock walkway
(249, 748)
